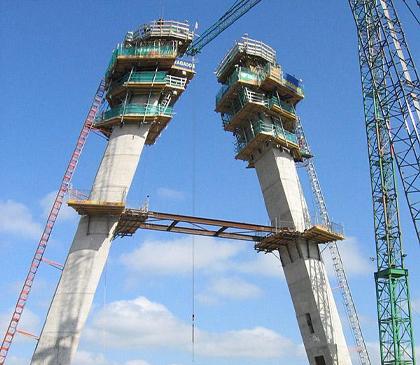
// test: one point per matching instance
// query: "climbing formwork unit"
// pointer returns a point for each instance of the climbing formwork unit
(257, 102)
(143, 81)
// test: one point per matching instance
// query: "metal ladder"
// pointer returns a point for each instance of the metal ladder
(52, 217)
(334, 251)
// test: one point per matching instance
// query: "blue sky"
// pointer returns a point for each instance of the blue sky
(53, 56)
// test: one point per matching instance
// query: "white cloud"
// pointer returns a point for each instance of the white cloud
(257, 342)
(415, 305)
(174, 257)
(355, 261)
(171, 194)
(29, 322)
(90, 358)
(264, 264)
(66, 212)
(137, 362)
(233, 288)
(15, 218)
(169, 257)
(13, 360)
(140, 323)
(373, 350)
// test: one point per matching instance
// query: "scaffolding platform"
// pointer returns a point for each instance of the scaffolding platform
(147, 57)
(163, 29)
(144, 82)
(249, 149)
(94, 207)
(248, 49)
(318, 233)
(158, 116)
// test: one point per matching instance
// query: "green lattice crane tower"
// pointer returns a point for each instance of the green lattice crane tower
(390, 94)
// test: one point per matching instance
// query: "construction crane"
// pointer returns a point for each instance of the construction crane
(333, 249)
(239, 8)
(390, 87)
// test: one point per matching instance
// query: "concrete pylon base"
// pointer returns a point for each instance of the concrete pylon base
(306, 277)
(89, 251)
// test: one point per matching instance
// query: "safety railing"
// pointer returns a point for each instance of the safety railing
(151, 77)
(98, 195)
(260, 126)
(156, 49)
(332, 227)
(281, 104)
(248, 46)
(242, 74)
(142, 110)
(164, 28)
(145, 76)
(176, 81)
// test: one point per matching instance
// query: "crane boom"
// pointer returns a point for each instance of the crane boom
(387, 122)
(334, 251)
(239, 8)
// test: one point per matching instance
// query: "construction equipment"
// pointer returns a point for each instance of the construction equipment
(334, 251)
(52, 217)
(237, 10)
(390, 89)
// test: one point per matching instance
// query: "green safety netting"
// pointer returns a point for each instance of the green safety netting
(169, 50)
(276, 130)
(140, 110)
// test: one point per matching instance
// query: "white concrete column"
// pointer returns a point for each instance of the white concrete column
(305, 273)
(89, 251)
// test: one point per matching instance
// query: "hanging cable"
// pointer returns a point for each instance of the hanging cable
(411, 10)
(194, 135)
(104, 299)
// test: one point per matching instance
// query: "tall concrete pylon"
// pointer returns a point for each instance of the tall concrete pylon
(257, 101)
(144, 79)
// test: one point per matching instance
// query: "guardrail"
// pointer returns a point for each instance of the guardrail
(106, 194)
(167, 49)
(136, 109)
(163, 28)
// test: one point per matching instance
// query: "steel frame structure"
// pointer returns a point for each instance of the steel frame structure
(334, 251)
(388, 129)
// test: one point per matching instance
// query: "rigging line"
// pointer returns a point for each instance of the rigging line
(104, 299)
(411, 10)
(193, 237)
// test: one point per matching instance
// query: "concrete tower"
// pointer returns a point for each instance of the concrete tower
(143, 81)
(257, 102)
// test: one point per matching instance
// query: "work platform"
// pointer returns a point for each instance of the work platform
(145, 56)
(93, 207)
(248, 49)
(157, 115)
(246, 150)
(162, 29)
(142, 82)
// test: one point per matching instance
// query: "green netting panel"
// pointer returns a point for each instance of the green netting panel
(140, 110)
(240, 74)
(289, 108)
(146, 76)
(151, 50)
